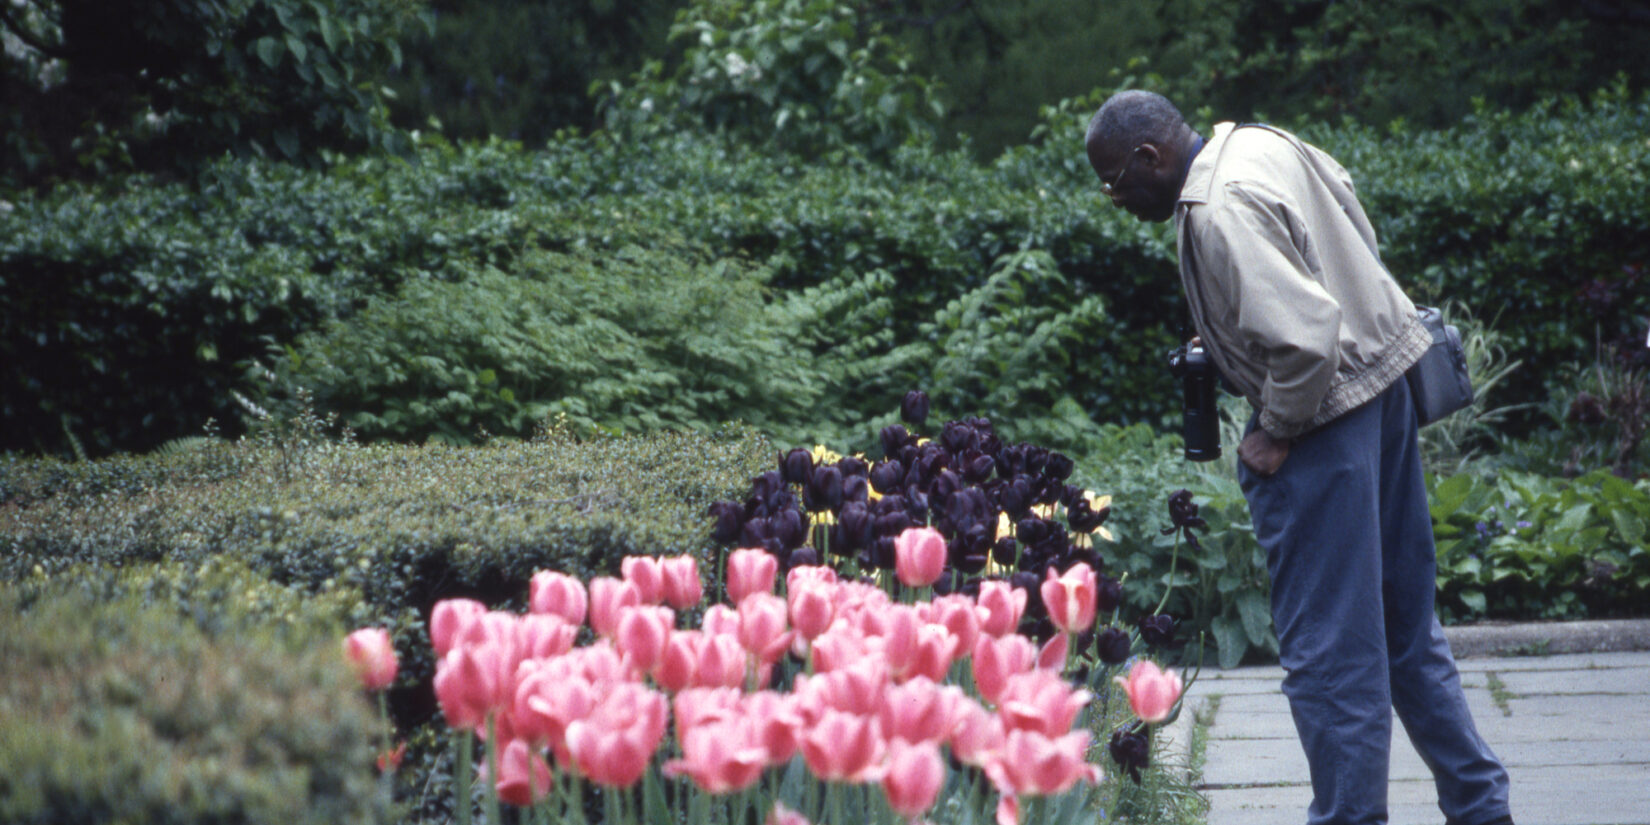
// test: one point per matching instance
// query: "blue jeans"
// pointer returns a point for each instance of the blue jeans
(1348, 540)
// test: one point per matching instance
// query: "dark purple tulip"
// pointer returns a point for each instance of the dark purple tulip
(1113, 646)
(1083, 519)
(977, 467)
(1036, 458)
(914, 409)
(958, 438)
(887, 476)
(766, 485)
(853, 529)
(729, 521)
(796, 465)
(1108, 594)
(1005, 551)
(853, 465)
(946, 485)
(971, 564)
(891, 524)
(789, 528)
(855, 488)
(824, 490)
(944, 584)
(1015, 497)
(1047, 490)
(882, 552)
(1131, 751)
(802, 556)
(1032, 584)
(1059, 466)
(1031, 531)
(894, 437)
(1158, 631)
(1183, 513)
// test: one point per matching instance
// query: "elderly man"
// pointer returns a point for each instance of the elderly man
(1288, 294)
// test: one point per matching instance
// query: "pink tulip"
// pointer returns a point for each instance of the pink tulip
(782, 815)
(558, 593)
(919, 711)
(371, 655)
(777, 721)
(647, 574)
(1053, 654)
(720, 620)
(913, 777)
(976, 733)
(701, 706)
(721, 756)
(466, 686)
(919, 556)
(608, 597)
(679, 661)
(961, 616)
(811, 574)
(523, 776)
(859, 689)
(997, 659)
(449, 620)
(1031, 763)
(682, 586)
(750, 570)
(544, 635)
(1039, 700)
(1070, 598)
(1152, 691)
(722, 662)
(843, 747)
(548, 699)
(762, 626)
(838, 647)
(913, 647)
(642, 635)
(614, 744)
(1004, 604)
(811, 610)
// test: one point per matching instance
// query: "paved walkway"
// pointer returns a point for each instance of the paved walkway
(1573, 730)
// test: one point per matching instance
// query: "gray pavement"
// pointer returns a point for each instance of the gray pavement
(1572, 726)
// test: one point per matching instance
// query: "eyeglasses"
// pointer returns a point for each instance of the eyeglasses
(1110, 189)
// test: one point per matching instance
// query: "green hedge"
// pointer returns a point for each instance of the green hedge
(129, 308)
(111, 710)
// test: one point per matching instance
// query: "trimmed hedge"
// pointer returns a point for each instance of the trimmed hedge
(111, 710)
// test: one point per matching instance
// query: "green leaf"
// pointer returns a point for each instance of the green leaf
(269, 51)
(1474, 600)
(1256, 613)
(1230, 639)
(295, 44)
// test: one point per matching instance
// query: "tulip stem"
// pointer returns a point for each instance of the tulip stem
(492, 770)
(462, 803)
(1168, 584)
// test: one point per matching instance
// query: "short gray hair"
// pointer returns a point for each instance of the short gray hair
(1134, 117)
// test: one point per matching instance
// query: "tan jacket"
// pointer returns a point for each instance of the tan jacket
(1284, 280)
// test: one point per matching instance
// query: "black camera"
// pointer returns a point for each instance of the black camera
(1200, 418)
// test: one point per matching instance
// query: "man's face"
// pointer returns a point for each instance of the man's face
(1135, 180)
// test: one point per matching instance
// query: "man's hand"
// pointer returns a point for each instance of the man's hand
(1262, 453)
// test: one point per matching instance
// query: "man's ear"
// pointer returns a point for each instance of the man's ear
(1151, 155)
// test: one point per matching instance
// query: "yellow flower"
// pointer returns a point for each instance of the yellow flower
(1005, 527)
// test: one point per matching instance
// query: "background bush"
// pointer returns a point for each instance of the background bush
(112, 710)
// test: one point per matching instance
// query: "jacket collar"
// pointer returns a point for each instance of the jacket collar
(1202, 174)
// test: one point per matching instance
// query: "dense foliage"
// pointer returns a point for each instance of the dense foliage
(1007, 290)
(112, 710)
(98, 87)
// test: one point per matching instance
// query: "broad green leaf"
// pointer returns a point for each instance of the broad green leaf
(269, 51)
(295, 44)
(1256, 613)
(1230, 639)
(1474, 600)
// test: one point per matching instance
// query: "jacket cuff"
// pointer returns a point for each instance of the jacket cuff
(1278, 428)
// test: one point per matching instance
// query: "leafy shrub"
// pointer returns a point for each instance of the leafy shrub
(801, 75)
(1517, 545)
(633, 339)
(113, 711)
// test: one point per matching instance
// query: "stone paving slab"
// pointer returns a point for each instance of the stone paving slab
(1573, 731)
(1609, 795)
